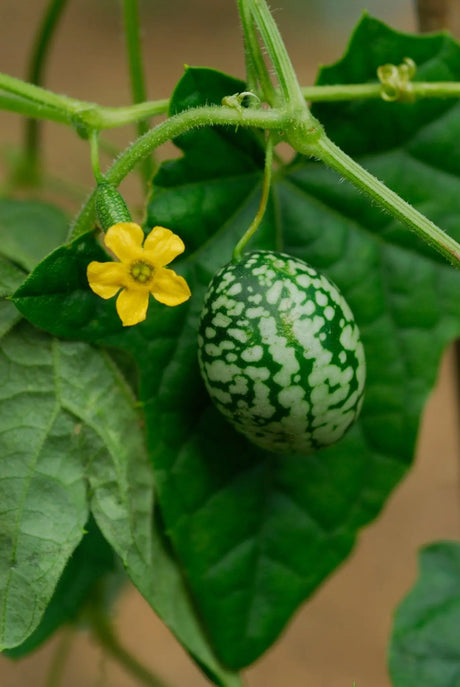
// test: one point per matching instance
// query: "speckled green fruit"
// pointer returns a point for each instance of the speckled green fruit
(280, 353)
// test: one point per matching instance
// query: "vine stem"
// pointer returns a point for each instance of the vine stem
(240, 246)
(31, 100)
(419, 91)
(22, 106)
(305, 138)
(72, 111)
(94, 150)
(274, 44)
(105, 634)
(335, 158)
(35, 74)
(256, 70)
(136, 72)
(170, 129)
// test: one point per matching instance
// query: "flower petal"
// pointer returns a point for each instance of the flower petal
(125, 240)
(162, 246)
(169, 288)
(132, 306)
(106, 278)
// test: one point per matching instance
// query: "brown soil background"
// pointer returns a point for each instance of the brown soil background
(341, 635)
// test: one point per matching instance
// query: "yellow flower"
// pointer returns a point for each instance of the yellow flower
(140, 272)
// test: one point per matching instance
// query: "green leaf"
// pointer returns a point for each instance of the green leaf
(10, 279)
(42, 486)
(56, 294)
(352, 124)
(121, 484)
(121, 479)
(251, 528)
(168, 594)
(424, 649)
(218, 178)
(29, 230)
(255, 533)
(92, 560)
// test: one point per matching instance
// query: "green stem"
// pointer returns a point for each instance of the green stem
(104, 633)
(136, 71)
(337, 93)
(419, 91)
(110, 117)
(334, 157)
(94, 148)
(13, 103)
(169, 129)
(256, 69)
(34, 101)
(73, 111)
(39, 95)
(240, 246)
(271, 37)
(446, 89)
(35, 75)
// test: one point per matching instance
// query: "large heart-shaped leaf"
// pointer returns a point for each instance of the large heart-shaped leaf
(256, 533)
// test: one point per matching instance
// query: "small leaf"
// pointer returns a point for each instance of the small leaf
(424, 650)
(29, 230)
(59, 285)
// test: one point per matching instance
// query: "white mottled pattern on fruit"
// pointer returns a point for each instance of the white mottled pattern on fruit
(280, 353)
(252, 354)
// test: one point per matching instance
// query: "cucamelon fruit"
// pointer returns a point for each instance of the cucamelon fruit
(280, 353)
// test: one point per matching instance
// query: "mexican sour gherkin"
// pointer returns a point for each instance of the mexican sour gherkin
(280, 353)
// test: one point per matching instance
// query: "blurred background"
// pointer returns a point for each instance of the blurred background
(341, 635)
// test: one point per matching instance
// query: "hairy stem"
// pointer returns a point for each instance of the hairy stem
(334, 157)
(72, 111)
(272, 41)
(257, 74)
(38, 102)
(169, 129)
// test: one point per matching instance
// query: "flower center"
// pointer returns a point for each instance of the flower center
(141, 272)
